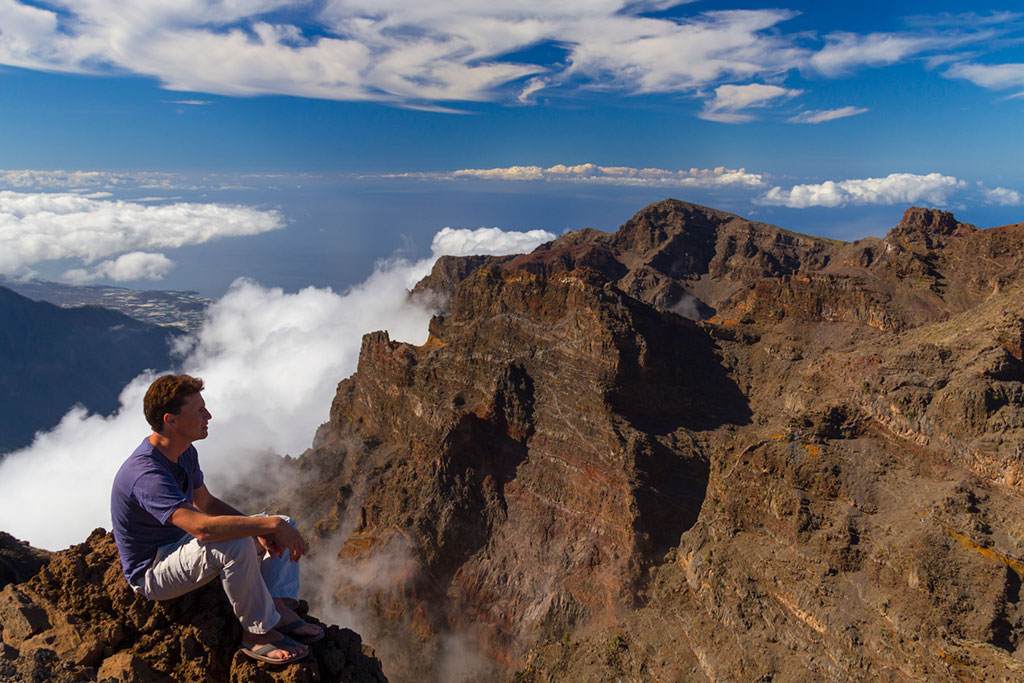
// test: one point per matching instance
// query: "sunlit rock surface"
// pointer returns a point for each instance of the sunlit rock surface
(78, 620)
(700, 448)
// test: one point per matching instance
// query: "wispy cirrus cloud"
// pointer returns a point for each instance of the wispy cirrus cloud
(844, 52)
(420, 54)
(608, 175)
(38, 227)
(730, 100)
(821, 116)
(991, 76)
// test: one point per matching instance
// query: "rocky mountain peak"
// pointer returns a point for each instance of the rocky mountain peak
(830, 455)
(929, 228)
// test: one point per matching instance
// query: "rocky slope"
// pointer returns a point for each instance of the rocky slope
(699, 448)
(78, 620)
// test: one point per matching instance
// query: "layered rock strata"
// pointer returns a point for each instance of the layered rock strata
(819, 479)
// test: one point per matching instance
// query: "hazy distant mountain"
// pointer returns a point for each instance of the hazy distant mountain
(52, 358)
(184, 310)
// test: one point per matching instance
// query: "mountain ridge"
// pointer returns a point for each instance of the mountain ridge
(703, 449)
(847, 361)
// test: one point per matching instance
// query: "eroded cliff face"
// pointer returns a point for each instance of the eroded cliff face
(78, 620)
(536, 452)
(700, 448)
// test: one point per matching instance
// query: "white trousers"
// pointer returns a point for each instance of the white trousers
(251, 579)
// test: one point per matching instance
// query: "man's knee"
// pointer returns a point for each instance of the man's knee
(237, 549)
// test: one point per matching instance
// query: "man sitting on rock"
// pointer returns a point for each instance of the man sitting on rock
(173, 535)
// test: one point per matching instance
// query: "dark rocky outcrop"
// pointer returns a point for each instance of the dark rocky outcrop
(18, 560)
(78, 620)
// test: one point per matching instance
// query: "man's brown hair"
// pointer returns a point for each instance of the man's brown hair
(166, 395)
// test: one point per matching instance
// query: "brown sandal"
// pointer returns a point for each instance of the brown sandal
(287, 644)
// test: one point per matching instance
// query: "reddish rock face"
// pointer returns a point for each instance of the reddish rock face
(537, 450)
(831, 455)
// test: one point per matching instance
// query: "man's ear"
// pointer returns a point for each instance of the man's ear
(170, 419)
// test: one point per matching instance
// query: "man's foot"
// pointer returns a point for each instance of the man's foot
(293, 626)
(272, 647)
(283, 651)
(302, 631)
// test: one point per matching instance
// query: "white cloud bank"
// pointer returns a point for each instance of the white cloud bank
(138, 265)
(271, 362)
(408, 52)
(607, 175)
(37, 227)
(487, 241)
(895, 188)
(1003, 196)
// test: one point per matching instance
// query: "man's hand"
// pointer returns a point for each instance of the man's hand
(270, 545)
(285, 537)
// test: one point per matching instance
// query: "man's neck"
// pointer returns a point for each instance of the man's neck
(168, 446)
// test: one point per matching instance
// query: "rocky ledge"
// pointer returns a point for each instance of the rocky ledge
(77, 620)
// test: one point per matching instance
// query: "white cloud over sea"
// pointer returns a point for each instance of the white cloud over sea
(600, 175)
(271, 362)
(47, 226)
(895, 188)
(416, 53)
(137, 265)
(936, 189)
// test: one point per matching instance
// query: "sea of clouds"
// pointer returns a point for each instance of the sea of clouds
(271, 361)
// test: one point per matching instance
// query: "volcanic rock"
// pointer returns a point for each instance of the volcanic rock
(78, 620)
(18, 560)
(818, 479)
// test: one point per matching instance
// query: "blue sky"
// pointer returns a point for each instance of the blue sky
(180, 144)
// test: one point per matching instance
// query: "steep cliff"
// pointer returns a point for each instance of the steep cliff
(698, 448)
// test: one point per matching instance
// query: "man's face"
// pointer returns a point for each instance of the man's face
(191, 421)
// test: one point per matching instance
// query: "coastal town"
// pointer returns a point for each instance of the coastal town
(179, 309)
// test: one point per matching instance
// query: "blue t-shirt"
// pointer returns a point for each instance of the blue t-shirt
(147, 489)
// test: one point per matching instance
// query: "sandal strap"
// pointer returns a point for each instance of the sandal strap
(286, 644)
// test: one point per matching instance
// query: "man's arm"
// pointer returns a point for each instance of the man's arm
(211, 504)
(273, 531)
